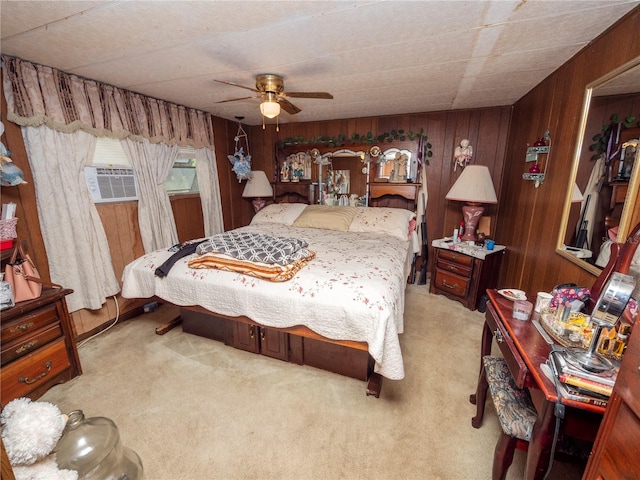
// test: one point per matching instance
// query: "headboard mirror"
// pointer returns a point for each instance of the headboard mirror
(607, 176)
(347, 170)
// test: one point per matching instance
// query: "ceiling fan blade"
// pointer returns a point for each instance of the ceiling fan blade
(236, 85)
(236, 99)
(287, 106)
(324, 95)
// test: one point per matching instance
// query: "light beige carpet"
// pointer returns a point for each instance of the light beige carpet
(193, 408)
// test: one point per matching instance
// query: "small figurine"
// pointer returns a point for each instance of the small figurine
(463, 154)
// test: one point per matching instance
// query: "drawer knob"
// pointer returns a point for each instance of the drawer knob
(27, 346)
(22, 327)
(449, 285)
(47, 369)
(453, 268)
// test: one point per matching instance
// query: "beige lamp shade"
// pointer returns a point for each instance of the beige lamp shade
(258, 188)
(474, 185)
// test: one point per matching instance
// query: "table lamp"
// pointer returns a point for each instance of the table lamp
(474, 186)
(258, 188)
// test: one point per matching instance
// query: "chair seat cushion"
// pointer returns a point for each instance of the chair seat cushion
(513, 405)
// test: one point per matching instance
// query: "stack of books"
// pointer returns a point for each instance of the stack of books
(578, 384)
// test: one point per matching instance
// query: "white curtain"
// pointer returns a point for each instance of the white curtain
(74, 237)
(207, 173)
(152, 163)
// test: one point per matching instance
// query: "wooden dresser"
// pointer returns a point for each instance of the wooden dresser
(38, 346)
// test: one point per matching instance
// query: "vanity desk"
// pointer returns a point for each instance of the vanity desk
(525, 350)
(463, 273)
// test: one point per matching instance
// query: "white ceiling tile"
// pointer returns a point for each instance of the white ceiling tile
(375, 57)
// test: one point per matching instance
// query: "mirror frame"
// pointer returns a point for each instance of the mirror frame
(634, 181)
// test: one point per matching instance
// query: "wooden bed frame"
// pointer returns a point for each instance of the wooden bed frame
(298, 344)
(295, 344)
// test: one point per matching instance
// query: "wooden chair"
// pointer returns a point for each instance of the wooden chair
(515, 411)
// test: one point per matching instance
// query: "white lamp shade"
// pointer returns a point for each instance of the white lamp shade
(473, 185)
(258, 186)
(576, 196)
(270, 109)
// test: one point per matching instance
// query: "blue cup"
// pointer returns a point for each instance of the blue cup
(490, 244)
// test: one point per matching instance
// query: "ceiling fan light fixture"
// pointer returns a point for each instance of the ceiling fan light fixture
(270, 108)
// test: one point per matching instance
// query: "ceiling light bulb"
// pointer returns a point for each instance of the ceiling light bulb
(270, 109)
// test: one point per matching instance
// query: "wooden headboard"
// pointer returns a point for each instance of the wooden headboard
(293, 192)
(395, 195)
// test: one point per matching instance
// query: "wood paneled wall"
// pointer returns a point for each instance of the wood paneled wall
(529, 217)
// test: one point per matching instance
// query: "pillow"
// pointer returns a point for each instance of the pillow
(392, 221)
(282, 213)
(326, 217)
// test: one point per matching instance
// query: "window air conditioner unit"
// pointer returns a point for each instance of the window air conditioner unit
(111, 184)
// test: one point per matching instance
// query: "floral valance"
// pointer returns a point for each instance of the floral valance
(37, 95)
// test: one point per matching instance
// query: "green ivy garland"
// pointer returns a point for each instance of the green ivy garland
(367, 139)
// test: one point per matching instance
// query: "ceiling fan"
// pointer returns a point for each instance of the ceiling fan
(270, 88)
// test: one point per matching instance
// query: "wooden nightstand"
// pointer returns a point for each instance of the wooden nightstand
(463, 273)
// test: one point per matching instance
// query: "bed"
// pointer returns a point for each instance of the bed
(342, 311)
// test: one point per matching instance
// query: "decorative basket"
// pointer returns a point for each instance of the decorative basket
(8, 229)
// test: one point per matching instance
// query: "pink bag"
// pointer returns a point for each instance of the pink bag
(23, 276)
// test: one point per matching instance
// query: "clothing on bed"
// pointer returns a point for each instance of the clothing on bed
(181, 250)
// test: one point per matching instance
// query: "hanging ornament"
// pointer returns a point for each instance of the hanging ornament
(241, 162)
(10, 173)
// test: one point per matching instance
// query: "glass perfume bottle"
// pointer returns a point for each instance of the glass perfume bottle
(6, 294)
(619, 345)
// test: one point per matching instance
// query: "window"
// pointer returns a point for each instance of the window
(109, 152)
(183, 178)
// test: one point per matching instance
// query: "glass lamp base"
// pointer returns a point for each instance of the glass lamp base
(590, 361)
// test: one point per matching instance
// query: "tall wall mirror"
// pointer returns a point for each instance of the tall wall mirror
(602, 193)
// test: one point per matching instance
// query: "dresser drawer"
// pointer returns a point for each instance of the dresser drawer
(515, 362)
(452, 283)
(462, 270)
(455, 257)
(29, 323)
(33, 370)
(28, 343)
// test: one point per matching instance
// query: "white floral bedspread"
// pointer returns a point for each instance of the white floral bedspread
(353, 290)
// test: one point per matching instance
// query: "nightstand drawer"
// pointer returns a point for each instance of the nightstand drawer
(462, 270)
(29, 323)
(24, 345)
(31, 371)
(449, 282)
(455, 257)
